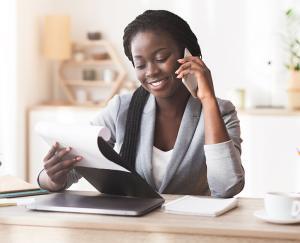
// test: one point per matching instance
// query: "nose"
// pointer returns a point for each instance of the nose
(152, 70)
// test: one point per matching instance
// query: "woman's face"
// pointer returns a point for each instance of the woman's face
(155, 56)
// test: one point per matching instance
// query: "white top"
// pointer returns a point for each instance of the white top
(160, 161)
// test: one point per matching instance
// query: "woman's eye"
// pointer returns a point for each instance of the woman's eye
(140, 66)
(161, 59)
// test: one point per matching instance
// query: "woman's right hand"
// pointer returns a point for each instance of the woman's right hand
(57, 167)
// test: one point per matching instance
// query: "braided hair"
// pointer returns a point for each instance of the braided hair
(180, 31)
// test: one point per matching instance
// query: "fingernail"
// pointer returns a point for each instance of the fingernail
(78, 158)
(68, 148)
(176, 71)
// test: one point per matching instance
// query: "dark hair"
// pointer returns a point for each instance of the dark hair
(165, 21)
(180, 31)
(132, 129)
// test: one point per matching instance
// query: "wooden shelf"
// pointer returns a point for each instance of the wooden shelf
(89, 62)
(92, 43)
(78, 90)
(269, 112)
(88, 83)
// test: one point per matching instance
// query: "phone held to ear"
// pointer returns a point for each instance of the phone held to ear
(190, 80)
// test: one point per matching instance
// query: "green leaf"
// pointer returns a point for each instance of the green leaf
(289, 12)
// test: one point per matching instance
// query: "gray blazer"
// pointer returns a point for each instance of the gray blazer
(195, 168)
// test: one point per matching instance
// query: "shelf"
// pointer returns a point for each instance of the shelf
(89, 62)
(91, 43)
(62, 105)
(269, 112)
(87, 83)
(110, 69)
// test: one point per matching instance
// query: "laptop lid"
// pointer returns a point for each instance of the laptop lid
(95, 203)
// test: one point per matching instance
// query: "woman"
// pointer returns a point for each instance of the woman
(178, 144)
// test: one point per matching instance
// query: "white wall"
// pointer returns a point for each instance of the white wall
(237, 39)
(33, 84)
(8, 80)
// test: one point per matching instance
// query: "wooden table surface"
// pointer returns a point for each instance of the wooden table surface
(18, 224)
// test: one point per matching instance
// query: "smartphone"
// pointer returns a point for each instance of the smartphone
(190, 80)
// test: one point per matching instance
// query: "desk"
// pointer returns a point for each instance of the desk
(18, 224)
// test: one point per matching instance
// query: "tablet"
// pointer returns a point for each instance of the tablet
(121, 192)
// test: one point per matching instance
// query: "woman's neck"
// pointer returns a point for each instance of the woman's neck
(172, 106)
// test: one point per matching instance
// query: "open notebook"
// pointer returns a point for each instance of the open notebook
(203, 206)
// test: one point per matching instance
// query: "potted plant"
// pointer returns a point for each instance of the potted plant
(292, 38)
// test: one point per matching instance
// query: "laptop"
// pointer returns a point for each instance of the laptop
(119, 192)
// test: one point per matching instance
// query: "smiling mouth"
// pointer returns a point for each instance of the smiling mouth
(157, 82)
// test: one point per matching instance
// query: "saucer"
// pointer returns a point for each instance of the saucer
(261, 214)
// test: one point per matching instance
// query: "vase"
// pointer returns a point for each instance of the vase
(293, 90)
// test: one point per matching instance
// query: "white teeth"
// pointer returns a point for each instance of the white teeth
(156, 83)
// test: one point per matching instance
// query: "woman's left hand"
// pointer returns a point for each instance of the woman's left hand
(194, 65)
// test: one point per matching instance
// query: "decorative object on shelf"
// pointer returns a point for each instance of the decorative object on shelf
(78, 54)
(94, 35)
(105, 72)
(292, 39)
(100, 56)
(89, 74)
(57, 44)
(108, 75)
(237, 97)
(294, 90)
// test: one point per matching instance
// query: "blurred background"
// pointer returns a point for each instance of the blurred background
(63, 60)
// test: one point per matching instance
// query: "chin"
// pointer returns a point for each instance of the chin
(166, 95)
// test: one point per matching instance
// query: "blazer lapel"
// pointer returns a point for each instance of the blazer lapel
(144, 165)
(185, 134)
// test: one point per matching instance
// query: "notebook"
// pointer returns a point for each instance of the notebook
(11, 186)
(203, 206)
(10, 183)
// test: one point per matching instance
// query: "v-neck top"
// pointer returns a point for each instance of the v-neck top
(160, 161)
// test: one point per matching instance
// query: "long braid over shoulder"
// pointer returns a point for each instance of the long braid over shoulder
(132, 129)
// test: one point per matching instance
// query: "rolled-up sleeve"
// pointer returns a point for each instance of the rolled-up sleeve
(225, 173)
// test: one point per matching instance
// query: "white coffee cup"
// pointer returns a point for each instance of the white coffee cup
(279, 205)
(108, 75)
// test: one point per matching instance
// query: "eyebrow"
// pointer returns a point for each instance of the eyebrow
(158, 50)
